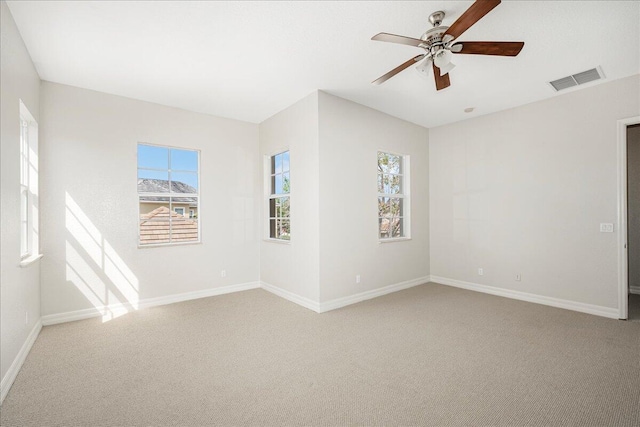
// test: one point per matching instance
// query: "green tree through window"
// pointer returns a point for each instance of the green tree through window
(391, 195)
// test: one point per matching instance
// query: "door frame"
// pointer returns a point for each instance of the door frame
(623, 261)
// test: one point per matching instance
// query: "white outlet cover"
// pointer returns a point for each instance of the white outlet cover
(606, 228)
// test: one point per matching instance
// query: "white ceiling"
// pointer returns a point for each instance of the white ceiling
(249, 60)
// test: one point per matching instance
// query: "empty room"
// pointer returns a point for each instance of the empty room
(320, 213)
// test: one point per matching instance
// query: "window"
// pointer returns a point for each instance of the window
(29, 224)
(279, 203)
(393, 196)
(168, 177)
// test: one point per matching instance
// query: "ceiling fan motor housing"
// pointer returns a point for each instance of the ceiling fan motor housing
(433, 37)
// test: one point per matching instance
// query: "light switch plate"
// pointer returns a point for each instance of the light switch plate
(606, 228)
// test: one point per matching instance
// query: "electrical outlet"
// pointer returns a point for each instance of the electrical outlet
(481, 271)
(223, 273)
(518, 277)
(357, 278)
(606, 228)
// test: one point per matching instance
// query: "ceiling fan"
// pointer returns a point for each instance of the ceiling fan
(440, 44)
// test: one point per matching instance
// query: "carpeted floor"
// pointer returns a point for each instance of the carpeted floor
(430, 355)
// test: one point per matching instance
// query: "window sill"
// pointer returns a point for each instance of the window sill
(30, 260)
(280, 241)
(168, 245)
(396, 239)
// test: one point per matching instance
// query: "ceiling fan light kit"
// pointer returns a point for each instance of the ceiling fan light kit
(424, 66)
(438, 42)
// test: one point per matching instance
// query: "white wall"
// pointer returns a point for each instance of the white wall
(350, 137)
(294, 266)
(20, 287)
(523, 191)
(89, 226)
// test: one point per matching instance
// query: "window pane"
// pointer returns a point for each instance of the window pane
(389, 163)
(184, 182)
(24, 204)
(184, 160)
(397, 227)
(285, 161)
(155, 220)
(153, 157)
(153, 181)
(396, 207)
(279, 186)
(383, 227)
(24, 222)
(384, 208)
(183, 229)
(278, 159)
(391, 184)
(161, 221)
(272, 228)
(283, 211)
(285, 183)
(272, 208)
(283, 230)
(395, 184)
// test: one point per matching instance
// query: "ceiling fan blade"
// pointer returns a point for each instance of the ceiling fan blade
(441, 81)
(393, 38)
(488, 48)
(472, 15)
(396, 70)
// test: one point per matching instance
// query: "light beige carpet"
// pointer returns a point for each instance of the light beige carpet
(430, 355)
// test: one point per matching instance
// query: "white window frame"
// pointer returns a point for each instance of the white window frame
(29, 216)
(176, 208)
(270, 194)
(405, 199)
(169, 194)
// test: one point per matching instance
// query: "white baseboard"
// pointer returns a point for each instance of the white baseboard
(634, 290)
(363, 296)
(341, 302)
(290, 296)
(12, 373)
(53, 319)
(598, 310)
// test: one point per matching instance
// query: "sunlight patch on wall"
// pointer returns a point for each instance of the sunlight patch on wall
(95, 268)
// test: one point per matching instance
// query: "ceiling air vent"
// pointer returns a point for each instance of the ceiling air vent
(577, 79)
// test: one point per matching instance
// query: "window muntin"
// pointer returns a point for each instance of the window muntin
(392, 196)
(168, 185)
(279, 198)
